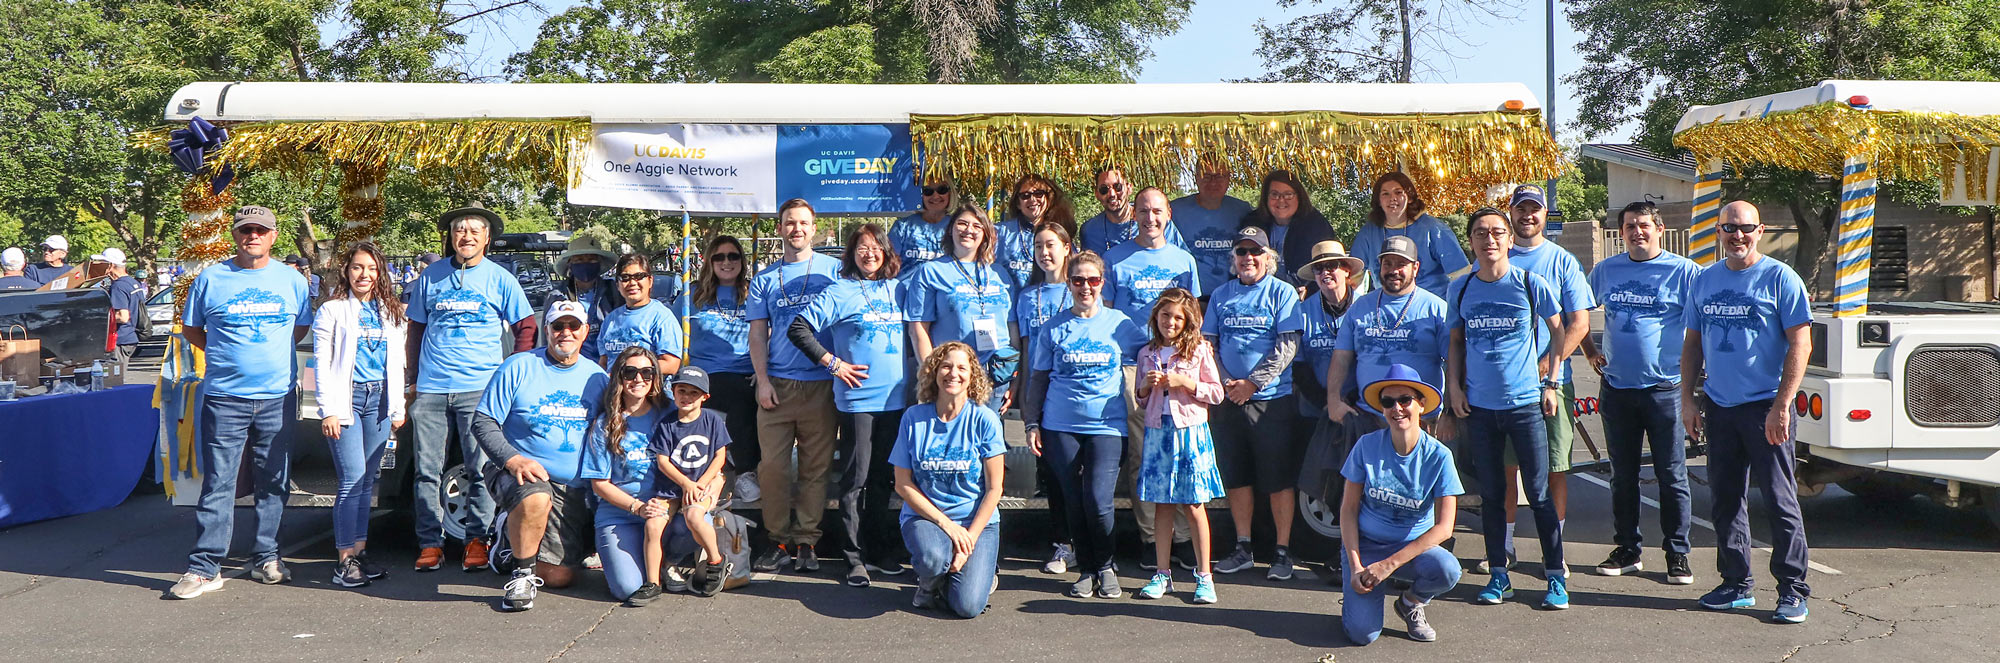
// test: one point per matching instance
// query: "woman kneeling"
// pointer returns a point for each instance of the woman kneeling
(1399, 505)
(948, 459)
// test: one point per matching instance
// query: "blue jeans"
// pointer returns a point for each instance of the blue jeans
(966, 591)
(1431, 573)
(229, 427)
(1737, 451)
(436, 417)
(1086, 470)
(357, 460)
(1522, 427)
(621, 547)
(1649, 415)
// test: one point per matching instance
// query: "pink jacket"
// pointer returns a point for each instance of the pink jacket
(1188, 410)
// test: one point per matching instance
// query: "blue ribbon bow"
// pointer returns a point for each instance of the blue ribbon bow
(190, 148)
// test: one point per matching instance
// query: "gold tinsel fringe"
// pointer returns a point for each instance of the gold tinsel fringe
(360, 202)
(204, 236)
(1817, 139)
(1457, 161)
(544, 150)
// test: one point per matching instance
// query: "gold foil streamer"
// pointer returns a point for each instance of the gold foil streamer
(204, 236)
(547, 151)
(1818, 138)
(360, 202)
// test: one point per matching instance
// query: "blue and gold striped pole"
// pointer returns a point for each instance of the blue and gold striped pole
(1707, 210)
(687, 276)
(1857, 236)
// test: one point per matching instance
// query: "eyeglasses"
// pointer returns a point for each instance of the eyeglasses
(1081, 281)
(644, 373)
(1284, 195)
(1496, 233)
(631, 277)
(937, 190)
(1745, 228)
(1103, 189)
(1033, 193)
(726, 257)
(1397, 401)
(565, 325)
(1249, 250)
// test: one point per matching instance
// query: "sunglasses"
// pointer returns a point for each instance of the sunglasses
(1397, 401)
(1249, 250)
(1092, 281)
(633, 277)
(726, 257)
(565, 325)
(1745, 228)
(1108, 188)
(240, 230)
(1033, 193)
(629, 373)
(937, 190)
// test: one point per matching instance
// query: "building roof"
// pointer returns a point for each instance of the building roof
(1633, 156)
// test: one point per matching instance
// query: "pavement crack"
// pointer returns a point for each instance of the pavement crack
(1846, 635)
(588, 631)
(87, 561)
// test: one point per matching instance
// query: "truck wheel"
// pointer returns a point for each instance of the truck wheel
(456, 502)
(1316, 530)
(1875, 487)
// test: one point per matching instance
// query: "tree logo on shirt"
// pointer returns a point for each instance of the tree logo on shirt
(626, 336)
(1378, 341)
(882, 325)
(257, 309)
(638, 460)
(560, 412)
(1245, 318)
(1487, 323)
(1212, 249)
(1729, 310)
(457, 310)
(373, 339)
(1147, 285)
(1632, 300)
(1087, 359)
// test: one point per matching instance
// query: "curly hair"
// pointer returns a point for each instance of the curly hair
(611, 413)
(1190, 338)
(1377, 215)
(1061, 212)
(927, 389)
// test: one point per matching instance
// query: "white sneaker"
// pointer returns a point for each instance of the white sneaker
(1060, 559)
(746, 487)
(192, 585)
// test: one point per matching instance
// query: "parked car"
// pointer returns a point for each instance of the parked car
(159, 312)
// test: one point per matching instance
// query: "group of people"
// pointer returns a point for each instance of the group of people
(1184, 350)
(128, 295)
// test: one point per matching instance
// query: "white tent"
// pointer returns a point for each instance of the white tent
(1962, 98)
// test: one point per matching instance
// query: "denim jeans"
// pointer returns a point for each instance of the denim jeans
(1522, 428)
(1430, 573)
(437, 417)
(866, 482)
(1086, 469)
(621, 546)
(1737, 452)
(966, 591)
(230, 426)
(1633, 416)
(357, 460)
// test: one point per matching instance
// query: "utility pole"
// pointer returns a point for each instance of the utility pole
(1549, 102)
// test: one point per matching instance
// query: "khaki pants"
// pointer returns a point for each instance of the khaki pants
(804, 416)
(1135, 445)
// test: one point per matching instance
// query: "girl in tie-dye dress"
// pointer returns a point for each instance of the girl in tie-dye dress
(1178, 380)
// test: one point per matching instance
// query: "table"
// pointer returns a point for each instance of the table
(74, 453)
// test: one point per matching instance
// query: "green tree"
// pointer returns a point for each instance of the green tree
(842, 54)
(1374, 41)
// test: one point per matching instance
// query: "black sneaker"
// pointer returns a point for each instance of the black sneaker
(1281, 568)
(1678, 571)
(644, 595)
(772, 559)
(374, 571)
(1623, 561)
(349, 573)
(857, 575)
(888, 567)
(1146, 556)
(805, 560)
(1183, 555)
(708, 578)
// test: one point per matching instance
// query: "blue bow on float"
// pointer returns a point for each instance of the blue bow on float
(190, 148)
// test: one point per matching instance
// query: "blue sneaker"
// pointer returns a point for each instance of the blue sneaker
(1498, 589)
(1160, 585)
(1557, 597)
(1204, 589)
(1791, 610)
(1728, 597)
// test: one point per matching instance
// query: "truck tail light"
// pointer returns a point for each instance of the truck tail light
(1816, 407)
(1799, 404)
(1858, 415)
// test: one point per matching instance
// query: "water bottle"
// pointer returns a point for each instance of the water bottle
(97, 375)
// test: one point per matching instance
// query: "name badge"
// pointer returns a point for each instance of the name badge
(986, 334)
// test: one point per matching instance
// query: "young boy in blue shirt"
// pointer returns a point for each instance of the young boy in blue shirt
(689, 450)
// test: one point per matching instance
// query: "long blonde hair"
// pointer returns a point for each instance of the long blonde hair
(927, 389)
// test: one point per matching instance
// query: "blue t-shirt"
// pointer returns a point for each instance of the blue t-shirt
(18, 283)
(720, 334)
(1246, 321)
(778, 294)
(1399, 493)
(128, 296)
(42, 272)
(865, 321)
(1083, 357)
(955, 296)
(467, 316)
(1643, 318)
(1033, 309)
(632, 473)
(1742, 317)
(371, 347)
(1383, 331)
(1322, 337)
(545, 410)
(652, 326)
(1014, 253)
(1211, 236)
(249, 315)
(1138, 276)
(1555, 265)
(1438, 252)
(1101, 235)
(1502, 348)
(946, 458)
(690, 446)
(917, 241)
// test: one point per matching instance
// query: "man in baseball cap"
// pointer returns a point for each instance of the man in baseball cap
(55, 255)
(128, 301)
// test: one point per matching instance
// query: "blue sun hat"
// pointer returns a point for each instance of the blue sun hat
(1401, 375)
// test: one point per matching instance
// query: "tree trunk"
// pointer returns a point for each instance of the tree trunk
(1815, 228)
(1409, 53)
(307, 240)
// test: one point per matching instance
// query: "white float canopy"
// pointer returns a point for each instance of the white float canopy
(1961, 98)
(755, 103)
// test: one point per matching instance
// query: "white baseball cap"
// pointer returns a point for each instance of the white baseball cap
(565, 309)
(56, 242)
(13, 258)
(111, 255)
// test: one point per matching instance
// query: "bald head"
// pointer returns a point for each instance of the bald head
(1740, 211)
(1739, 232)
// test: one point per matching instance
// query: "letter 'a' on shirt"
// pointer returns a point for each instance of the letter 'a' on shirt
(946, 458)
(1502, 350)
(1084, 358)
(691, 446)
(1399, 493)
(865, 321)
(467, 316)
(249, 316)
(1246, 321)
(545, 410)
(1643, 304)
(1742, 317)
(778, 294)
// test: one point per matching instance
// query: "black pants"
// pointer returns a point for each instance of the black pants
(1738, 454)
(732, 395)
(866, 481)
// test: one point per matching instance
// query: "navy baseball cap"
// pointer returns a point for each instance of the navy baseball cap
(1528, 192)
(693, 376)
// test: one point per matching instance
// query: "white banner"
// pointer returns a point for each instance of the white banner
(701, 168)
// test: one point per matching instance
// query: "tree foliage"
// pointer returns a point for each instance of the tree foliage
(1374, 41)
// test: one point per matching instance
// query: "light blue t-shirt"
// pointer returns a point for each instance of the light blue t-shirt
(1034, 308)
(1138, 276)
(1084, 357)
(249, 315)
(956, 296)
(1555, 265)
(719, 334)
(1321, 338)
(545, 410)
(1014, 253)
(1383, 331)
(946, 458)
(1502, 348)
(371, 348)
(917, 241)
(778, 294)
(1643, 319)
(1438, 252)
(632, 472)
(1246, 321)
(1211, 236)
(652, 326)
(1742, 317)
(1101, 235)
(865, 321)
(467, 316)
(1399, 493)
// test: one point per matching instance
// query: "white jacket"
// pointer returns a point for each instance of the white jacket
(336, 332)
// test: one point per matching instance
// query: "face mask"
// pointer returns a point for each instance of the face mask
(582, 271)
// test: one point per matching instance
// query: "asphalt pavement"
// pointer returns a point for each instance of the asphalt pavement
(1892, 581)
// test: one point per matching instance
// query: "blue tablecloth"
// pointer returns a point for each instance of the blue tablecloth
(75, 453)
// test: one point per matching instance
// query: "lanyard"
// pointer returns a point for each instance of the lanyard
(1408, 299)
(979, 284)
